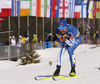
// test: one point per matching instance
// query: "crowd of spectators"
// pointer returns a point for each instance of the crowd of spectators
(13, 41)
(47, 42)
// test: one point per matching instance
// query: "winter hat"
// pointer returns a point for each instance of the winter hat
(20, 36)
(13, 36)
(62, 23)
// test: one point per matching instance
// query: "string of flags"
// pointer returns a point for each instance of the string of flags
(50, 8)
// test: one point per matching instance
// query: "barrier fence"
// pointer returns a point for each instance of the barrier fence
(11, 52)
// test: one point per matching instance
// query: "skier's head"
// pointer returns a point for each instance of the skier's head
(62, 26)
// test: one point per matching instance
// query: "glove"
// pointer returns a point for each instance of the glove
(63, 36)
(66, 36)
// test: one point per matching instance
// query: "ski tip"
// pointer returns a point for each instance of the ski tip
(53, 78)
(35, 78)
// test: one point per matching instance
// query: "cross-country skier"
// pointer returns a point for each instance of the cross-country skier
(69, 38)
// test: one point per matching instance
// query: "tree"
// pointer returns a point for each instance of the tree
(30, 57)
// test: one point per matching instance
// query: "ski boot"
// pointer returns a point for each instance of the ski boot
(57, 71)
(72, 72)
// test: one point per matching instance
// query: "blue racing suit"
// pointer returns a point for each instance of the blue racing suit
(73, 41)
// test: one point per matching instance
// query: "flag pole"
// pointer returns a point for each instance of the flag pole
(9, 27)
(88, 18)
(51, 30)
(71, 21)
(77, 23)
(83, 30)
(28, 28)
(94, 25)
(36, 24)
(43, 30)
(98, 30)
(18, 26)
(9, 49)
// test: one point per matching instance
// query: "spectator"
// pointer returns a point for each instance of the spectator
(8, 40)
(26, 40)
(23, 39)
(20, 41)
(13, 41)
(41, 44)
(97, 34)
(49, 36)
(35, 39)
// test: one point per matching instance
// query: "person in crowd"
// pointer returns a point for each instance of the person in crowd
(35, 39)
(8, 41)
(13, 41)
(20, 41)
(23, 39)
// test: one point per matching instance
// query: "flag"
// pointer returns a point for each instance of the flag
(63, 8)
(77, 13)
(51, 2)
(71, 7)
(55, 8)
(97, 9)
(15, 8)
(47, 7)
(91, 10)
(33, 7)
(83, 9)
(5, 7)
(2, 19)
(37, 8)
(24, 7)
(41, 8)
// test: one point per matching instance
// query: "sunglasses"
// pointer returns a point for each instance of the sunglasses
(61, 28)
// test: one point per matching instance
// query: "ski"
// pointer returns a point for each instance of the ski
(36, 78)
(66, 77)
(97, 68)
(50, 77)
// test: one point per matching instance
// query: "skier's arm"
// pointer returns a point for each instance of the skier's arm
(70, 41)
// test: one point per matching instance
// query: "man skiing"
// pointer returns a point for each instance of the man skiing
(69, 37)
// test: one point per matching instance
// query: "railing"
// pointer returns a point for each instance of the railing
(10, 52)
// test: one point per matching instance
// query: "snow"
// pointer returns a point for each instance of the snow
(87, 64)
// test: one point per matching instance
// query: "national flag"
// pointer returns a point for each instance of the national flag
(83, 9)
(97, 9)
(2, 19)
(55, 8)
(77, 13)
(33, 8)
(63, 8)
(51, 2)
(5, 7)
(37, 8)
(40, 8)
(91, 10)
(15, 8)
(24, 7)
(71, 7)
(47, 7)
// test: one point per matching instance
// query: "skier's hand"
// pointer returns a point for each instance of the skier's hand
(66, 36)
(63, 37)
